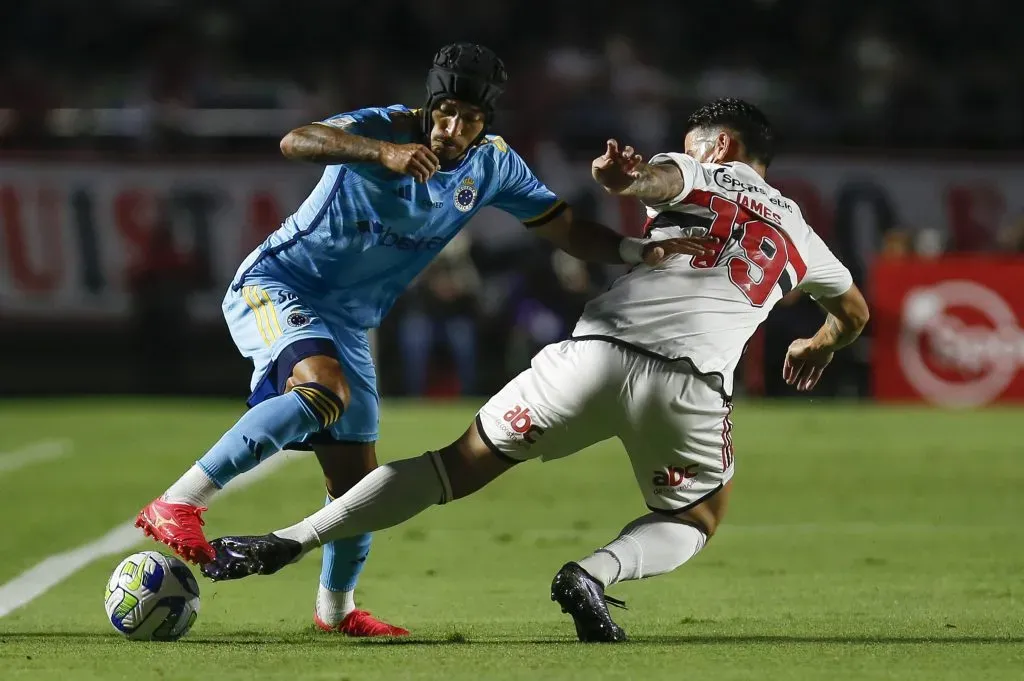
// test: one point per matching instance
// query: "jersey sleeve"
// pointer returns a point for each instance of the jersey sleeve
(373, 122)
(688, 166)
(826, 277)
(522, 195)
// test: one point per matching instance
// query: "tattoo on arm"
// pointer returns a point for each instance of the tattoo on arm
(834, 335)
(656, 183)
(326, 144)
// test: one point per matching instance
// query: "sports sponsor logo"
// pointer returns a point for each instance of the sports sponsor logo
(960, 343)
(255, 447)
(729, 183)
(389, 238)
(518, 423)
(674, 478)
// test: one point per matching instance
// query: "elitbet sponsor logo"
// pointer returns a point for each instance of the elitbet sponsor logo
(960, 343)
(519, 422)
(675, 478)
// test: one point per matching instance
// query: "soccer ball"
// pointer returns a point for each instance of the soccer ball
(152, 597)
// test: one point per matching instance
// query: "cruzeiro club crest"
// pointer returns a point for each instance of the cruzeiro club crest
(465, 195)
(297, 320)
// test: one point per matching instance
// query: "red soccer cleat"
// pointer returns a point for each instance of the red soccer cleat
(180, 526)
(360, 623)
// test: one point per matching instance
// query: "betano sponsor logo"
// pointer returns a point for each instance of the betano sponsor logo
(389, 238)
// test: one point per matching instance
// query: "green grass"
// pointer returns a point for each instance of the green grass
(862, 543)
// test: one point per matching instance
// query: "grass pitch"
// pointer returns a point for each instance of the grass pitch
(862, 543)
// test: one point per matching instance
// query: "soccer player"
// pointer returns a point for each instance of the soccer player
(651, 362)
(399, 184)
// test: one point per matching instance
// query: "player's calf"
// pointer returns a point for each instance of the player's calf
(657, 542)
(268, 427)
(389, 495)
(651, 545)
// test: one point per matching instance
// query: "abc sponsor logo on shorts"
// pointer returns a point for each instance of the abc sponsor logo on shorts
(518, 423)
(960, 344)
(674, 478)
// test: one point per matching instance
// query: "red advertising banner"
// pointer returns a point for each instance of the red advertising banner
(949, 331)
(73, 232)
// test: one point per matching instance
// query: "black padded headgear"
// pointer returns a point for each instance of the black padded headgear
(467, 72)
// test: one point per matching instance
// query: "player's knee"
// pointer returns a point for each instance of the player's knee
(470, 464)
(708, 514)
(336, 383)
(323, 371)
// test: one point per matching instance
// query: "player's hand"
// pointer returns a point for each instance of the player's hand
(414, 160)
(657, 251)
(616, 169)
(804, 364)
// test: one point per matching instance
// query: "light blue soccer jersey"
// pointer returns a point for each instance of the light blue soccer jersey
(365, 232)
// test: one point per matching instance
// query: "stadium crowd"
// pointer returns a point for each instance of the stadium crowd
(580, 68)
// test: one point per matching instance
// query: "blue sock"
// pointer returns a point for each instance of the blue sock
(268, 427)
(343, 561)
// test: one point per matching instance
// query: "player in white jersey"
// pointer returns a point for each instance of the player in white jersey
(650, 362)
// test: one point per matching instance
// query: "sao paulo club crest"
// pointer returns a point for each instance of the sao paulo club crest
(465, 195)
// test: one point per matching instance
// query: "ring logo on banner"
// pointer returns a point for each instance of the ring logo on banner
(960, 344)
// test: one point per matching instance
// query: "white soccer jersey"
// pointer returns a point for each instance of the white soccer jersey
(703, 310)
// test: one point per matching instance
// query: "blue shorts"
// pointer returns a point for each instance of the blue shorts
(274, 328)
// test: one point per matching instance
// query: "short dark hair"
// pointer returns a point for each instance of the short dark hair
(743, 118)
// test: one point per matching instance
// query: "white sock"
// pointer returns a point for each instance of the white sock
(195, 488)
(333, 606)
(650, 545)
(389, 495)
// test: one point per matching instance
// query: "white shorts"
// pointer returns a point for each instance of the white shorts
(672, 421)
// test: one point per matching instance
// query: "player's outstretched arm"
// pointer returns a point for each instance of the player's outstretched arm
(330, 146)
(623, 172)
(594, 242)
(807, 358)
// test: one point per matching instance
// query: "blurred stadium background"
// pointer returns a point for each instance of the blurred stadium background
(139, 163)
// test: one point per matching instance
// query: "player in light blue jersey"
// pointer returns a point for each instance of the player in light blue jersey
(399, 184)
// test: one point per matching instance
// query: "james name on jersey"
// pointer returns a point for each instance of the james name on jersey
(703, 309)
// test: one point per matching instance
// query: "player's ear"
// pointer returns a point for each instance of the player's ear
(725, 147)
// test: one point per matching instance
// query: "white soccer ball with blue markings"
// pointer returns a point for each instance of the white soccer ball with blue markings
(152, 597)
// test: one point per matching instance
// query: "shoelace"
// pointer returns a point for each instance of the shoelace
(616, 602)
(196, 511)
(368, 625)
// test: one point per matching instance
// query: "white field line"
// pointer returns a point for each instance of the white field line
(37, 452)
(47, 574)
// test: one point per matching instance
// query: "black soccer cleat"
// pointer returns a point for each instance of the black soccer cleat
(582, 596)
(238, 557)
